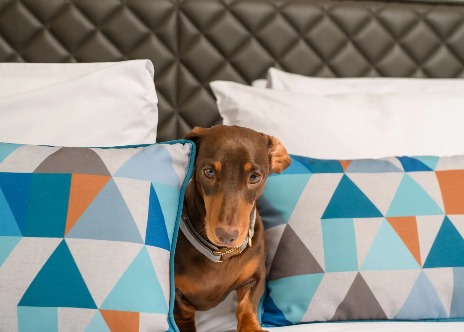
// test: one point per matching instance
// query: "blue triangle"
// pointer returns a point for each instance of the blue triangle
(156, 234)
(429, 161)
(457, 303)
(58, 284)
(138, 289)
(296, 167)
(153, 163)
(349, 201)
(284, 191)
(107, 218)
(422, 302)
(340, 253)
(388, 252)
(412, 200)
(34, 319)
(16, 188)
(8, 226)
(168, 198)
(413, 165)
(300, 289)
(272, 316)
(6, 149)
(372, 166)
(319, 165)
(97, 324)
(7, 244)
(447, 249)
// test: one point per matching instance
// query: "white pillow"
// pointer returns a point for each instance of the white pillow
(85, 104)
(280, 80)
(259, 83)
(348, 126)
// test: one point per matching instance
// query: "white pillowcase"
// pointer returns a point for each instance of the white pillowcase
(281, 80)
(348, 126)
(259, 83)
(84, 104)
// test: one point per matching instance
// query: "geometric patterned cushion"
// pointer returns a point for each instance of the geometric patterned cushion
(87, 236)
(365, 239)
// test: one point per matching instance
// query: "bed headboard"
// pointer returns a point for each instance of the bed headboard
(192, 42)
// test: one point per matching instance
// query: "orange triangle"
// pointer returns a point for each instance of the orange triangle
(84, 189)
(345, 164)
(406, 228)
(121, 321)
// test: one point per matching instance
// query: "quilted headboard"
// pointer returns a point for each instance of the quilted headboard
(192, 42)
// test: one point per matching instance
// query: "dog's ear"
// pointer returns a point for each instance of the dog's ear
(278, 156)
(196, 133)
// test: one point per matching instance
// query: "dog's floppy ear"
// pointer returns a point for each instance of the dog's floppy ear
(196, 133)
(278, 156)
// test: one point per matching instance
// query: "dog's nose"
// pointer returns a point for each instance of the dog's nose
(226, 236)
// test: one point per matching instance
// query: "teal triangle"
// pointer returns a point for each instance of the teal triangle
(430, 161)
(97, 324)
(300, 289)
(138, 289)
(412, 200)
(58, 284)
(422, 302)
(156, 234)
(7, 244)
(37, 319)
(447, 249)
(296, 167)
(16, 188)
(349, 201)
(284, 192)
(6, 149)
(107, 218)
(388, 252)
(411, 164)
(153, 163)
(168, 198)
(272, 316)
(8, 226)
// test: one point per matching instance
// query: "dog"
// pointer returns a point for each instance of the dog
(221, 246)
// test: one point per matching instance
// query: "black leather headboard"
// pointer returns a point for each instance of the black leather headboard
(192, 42)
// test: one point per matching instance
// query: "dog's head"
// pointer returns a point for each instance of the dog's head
(231, 169)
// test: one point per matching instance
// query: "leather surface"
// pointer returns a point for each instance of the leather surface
(192, 42)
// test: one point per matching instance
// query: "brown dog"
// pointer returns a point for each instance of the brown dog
(221, 246)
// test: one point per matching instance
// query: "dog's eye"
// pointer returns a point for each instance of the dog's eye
(254, 178)
(209, 173)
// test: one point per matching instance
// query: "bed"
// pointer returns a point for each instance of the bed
(194, 42)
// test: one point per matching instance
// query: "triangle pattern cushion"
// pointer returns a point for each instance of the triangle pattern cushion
(381, 233)
(82, 248)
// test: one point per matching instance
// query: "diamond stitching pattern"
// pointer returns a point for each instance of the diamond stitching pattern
(192, 42)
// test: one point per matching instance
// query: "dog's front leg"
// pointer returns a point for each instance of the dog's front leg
(184, 314)
(249, 296)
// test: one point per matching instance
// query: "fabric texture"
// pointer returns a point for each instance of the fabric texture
(87, 236)
(284, 81)
(348, 126)
(98, 104)
(372, 239)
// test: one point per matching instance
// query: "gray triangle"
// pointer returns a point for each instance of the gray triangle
(75, 161)
(359, 303)
(292, 258)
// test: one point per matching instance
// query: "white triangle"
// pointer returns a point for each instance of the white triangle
(34, 155)
(330, 293)
(74, 319)
(153, 322)
(179, 154)
(395, 161)
(365, 229)
(391, 288)
(102, 263)
(458, 222)
(136, 194)
(450, 163)
(160, 259)
(114, 161)
(427, 229)
(442, 280)
(428, 181)
(380, 188)
(273, 236)
(306, 217)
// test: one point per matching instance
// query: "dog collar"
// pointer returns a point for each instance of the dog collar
(208, 249)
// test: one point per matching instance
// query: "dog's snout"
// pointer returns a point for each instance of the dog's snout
(226, 236)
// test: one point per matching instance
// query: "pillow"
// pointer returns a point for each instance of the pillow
(348, 126)
(364, 239)
(102, 104)
(87, 236)
(260, 83)
(280, 80)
